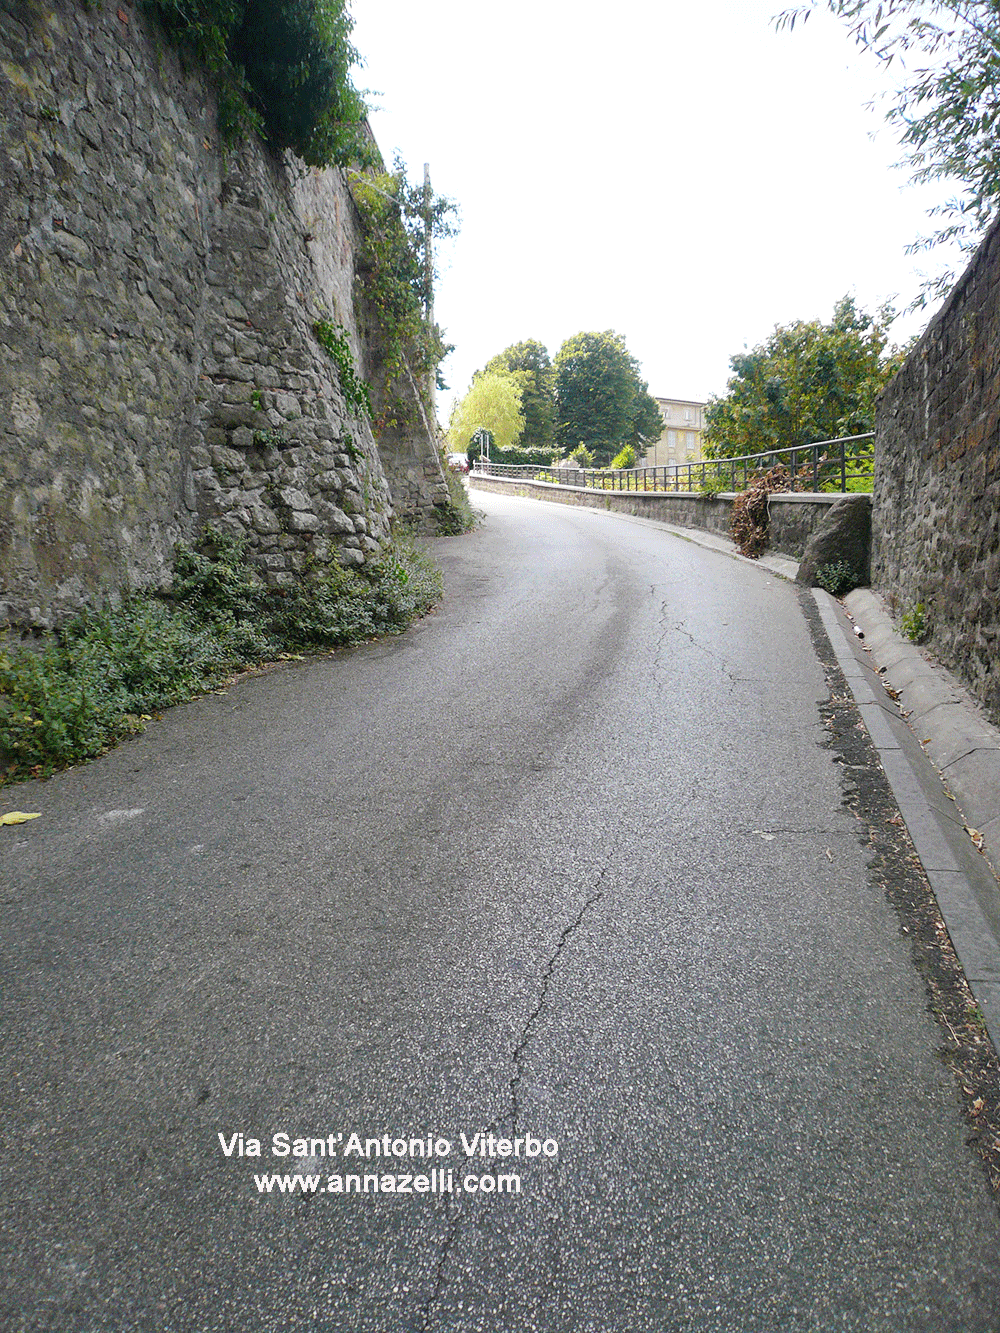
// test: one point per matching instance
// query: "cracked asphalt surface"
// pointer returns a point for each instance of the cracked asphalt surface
(570, 860)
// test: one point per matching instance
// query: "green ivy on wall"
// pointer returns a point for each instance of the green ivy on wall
(282, 69)
(333, 339)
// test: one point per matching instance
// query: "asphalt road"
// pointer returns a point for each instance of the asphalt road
(567, 863)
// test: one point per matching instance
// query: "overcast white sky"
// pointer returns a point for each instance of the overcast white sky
(678, 172)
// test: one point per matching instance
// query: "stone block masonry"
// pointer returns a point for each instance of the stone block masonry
(936, 503)
(158, 365)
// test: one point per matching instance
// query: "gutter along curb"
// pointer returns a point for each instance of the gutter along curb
(962, 879)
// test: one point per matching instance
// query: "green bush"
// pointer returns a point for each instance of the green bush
(527, 457)
(104, 673)
(624, 459)
(837, 577)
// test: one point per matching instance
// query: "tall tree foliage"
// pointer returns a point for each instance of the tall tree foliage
(808, 382)
(947, 104)
(603, 402)
(531, 366)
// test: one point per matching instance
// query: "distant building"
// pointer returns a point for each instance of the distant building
(680, 440)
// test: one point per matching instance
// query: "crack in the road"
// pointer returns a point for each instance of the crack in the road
(425, 1311)
(679, 627)
(550, 967)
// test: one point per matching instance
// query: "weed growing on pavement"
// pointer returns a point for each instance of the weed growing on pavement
(837, 577)
(105, 672)
(914, 624)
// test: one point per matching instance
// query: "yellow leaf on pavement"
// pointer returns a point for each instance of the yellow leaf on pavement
(17, 817)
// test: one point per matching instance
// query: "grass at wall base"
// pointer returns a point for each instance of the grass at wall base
(104, 674)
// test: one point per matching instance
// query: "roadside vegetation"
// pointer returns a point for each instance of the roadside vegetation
(105, 673)
(807, 382)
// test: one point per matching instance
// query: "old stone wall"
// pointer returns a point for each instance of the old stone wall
(159, 368)
(936, 505)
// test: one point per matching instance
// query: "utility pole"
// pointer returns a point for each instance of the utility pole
(428, 252)
(429, 279)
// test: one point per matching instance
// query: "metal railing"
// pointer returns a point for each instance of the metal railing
(826, 465)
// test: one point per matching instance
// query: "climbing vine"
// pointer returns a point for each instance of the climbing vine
(333, 339)
(400, 220)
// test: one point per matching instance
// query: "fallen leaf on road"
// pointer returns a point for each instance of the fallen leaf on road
(976, 836)
(17, 817)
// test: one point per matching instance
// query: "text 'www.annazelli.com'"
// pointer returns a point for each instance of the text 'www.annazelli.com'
(434, 1182)
(344, 1162)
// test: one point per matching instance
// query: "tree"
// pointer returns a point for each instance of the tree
(531, 365)
(493, 403)
(603, 402)
(947, 106)
(807, 382)
(647, 424)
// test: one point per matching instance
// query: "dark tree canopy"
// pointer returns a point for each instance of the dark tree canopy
(603, 403)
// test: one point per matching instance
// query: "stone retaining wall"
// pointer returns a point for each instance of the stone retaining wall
(158, 364)
(936, 510)
(793, 517)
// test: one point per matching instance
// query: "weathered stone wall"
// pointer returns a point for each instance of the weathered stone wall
(792, 517)
(936, 507)
(158, 366)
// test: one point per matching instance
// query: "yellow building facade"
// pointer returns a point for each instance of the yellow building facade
(680, 439)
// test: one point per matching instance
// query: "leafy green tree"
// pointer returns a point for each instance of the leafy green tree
(493, 403)
(807, 382)
(531, 365)
(946, 105)
(602, 400)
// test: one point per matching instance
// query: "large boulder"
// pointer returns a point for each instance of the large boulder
(845, 535)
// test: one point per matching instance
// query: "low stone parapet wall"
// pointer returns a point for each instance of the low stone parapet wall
(793, 516)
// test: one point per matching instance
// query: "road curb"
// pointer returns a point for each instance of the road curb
(966, 890)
